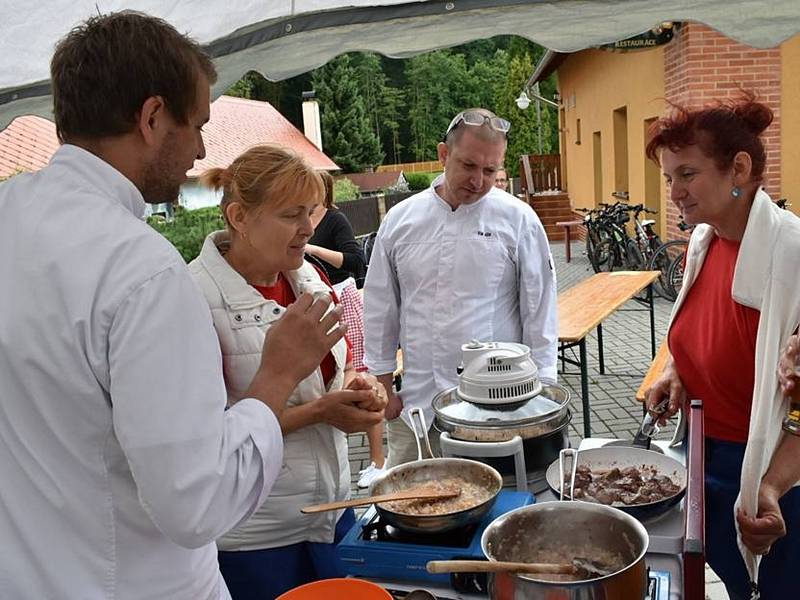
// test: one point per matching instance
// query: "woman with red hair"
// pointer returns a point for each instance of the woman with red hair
(739, 304)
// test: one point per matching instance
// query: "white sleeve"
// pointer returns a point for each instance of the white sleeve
(199, 469)
(538, 300)
(381, 310)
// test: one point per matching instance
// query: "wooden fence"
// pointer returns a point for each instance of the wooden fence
(429, 166)
(363, 214)
(540, 172)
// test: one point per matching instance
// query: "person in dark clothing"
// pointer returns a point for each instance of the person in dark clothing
(333, 242)
(341, 256)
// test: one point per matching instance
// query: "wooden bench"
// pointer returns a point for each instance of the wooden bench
(654, 372)
(583, 308)
(568, 225)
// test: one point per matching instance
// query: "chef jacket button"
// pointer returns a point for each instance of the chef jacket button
(257, 317)
(238, 317)
(276, 311)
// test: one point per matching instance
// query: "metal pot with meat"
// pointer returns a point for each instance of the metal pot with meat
(478, 484)
(642, 483)
(499, 396)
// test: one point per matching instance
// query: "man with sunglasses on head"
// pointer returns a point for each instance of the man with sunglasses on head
(459, 261)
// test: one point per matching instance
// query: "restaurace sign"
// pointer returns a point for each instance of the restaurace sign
(650, 39)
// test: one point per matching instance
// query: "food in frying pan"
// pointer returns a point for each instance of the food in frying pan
(629, 486)
(472, 494)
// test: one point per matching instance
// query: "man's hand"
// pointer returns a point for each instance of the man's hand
(342, 410)
(759, 533)
(667, 385)
(295, 346)
(788, 365)
(394, 405)
(365, 381)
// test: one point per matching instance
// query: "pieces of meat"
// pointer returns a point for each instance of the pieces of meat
(630, 485)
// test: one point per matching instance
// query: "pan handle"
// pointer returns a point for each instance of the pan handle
(572, 453)
(421, 434)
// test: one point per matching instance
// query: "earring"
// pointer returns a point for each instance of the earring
(736, 191)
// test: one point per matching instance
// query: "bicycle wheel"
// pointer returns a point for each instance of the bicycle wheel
(660, 261)
(675, 275)
(593, 238)
(608, 257)
(634, 261)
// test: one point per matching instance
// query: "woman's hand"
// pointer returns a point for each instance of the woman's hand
(367, 382)
(343, 410)
(760, 532)
(668, 385)
(788, 365)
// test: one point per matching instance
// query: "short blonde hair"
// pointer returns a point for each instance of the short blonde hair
(264, 175)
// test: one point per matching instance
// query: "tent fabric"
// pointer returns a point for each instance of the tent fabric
(282, 38)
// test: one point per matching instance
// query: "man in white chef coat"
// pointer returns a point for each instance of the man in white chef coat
(461, 260)
(119, 465)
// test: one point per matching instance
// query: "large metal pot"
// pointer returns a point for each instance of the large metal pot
(521, 535)
(402, 477)
(541, 421)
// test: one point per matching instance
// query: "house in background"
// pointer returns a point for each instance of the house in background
(236, 124)
(609, 99)
(370, 184)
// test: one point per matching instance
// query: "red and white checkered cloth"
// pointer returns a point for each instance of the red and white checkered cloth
(353, 315)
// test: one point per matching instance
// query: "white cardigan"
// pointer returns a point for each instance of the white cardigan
(315, 463)
(767, 278)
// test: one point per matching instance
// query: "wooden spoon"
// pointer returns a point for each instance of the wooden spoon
(579, 566)
(419, 493)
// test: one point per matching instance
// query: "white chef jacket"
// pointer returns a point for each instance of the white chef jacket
(438, 278)
(119, 466)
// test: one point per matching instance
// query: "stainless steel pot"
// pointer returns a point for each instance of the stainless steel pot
(521, 535)
(402, 477)
(537, 416)
(542, 422)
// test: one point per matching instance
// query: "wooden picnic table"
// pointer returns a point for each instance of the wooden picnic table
(586, 305)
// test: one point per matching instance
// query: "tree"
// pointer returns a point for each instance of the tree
(347, 135)
(382, 103)
(439, 87)
(524, 135)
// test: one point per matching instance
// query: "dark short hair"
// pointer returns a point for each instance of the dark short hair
(105, 68)
(721, 131)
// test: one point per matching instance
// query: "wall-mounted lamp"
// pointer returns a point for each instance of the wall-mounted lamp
(523, 101)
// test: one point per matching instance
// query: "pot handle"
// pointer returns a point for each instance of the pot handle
(572, 453)
(416, 415)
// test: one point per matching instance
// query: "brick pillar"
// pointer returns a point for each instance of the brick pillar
(702, 65)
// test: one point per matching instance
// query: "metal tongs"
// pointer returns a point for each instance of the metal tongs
(649, 427)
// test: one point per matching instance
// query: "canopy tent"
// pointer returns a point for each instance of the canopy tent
(282, 38)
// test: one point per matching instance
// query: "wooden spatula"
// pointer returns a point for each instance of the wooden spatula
(579, 566)
(420, 493)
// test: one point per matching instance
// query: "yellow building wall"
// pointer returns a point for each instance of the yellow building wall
(593, 85)
(790, 122)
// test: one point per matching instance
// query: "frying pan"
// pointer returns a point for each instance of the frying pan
(402, 477)
(607, 457)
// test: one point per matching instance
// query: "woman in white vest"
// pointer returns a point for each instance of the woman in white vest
(249, 273)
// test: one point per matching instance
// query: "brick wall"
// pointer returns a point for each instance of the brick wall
(701, 65)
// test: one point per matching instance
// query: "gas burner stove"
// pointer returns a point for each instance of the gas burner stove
(372, 550)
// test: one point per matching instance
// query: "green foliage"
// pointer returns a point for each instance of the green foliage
(347, 134)
(420, 181)
(189, 228)
(382, 103)
(345, 190)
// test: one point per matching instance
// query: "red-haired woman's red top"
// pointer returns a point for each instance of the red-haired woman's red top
(713, 343)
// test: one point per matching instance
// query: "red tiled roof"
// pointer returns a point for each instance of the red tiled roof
(237, 124)
(372, 182)
(27, 145)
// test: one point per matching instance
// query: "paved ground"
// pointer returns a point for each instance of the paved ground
(614, 410)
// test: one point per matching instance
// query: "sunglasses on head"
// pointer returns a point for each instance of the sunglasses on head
(477, 119)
